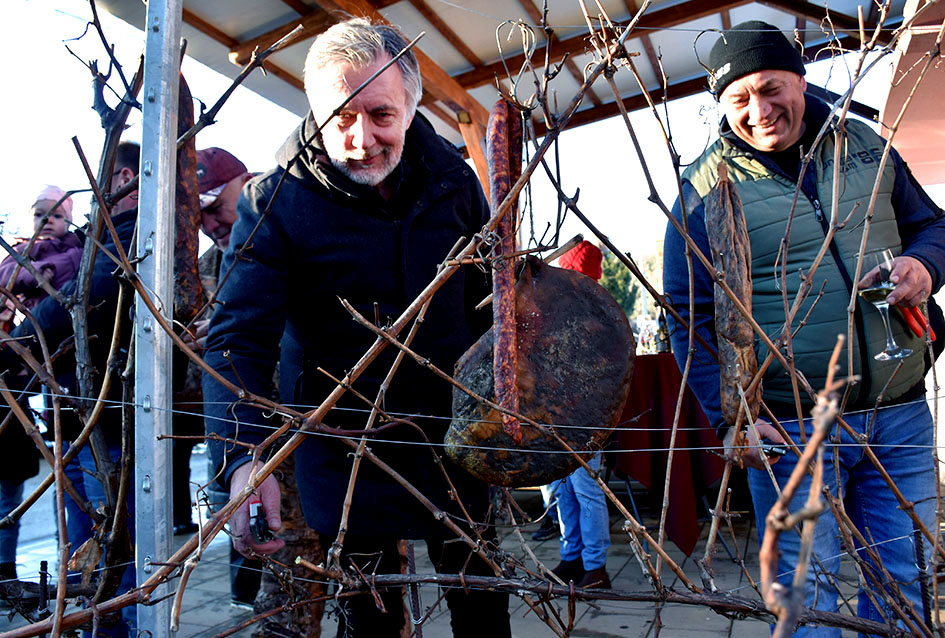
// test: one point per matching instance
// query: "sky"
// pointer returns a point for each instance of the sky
(52, 103)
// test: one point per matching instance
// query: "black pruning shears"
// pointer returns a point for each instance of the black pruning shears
(258, 524)
(774, 449)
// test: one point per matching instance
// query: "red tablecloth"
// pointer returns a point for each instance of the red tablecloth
(643, 438)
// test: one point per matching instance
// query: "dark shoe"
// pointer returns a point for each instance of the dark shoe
(185, 528)
(549, 529)
(7, 571)
(568, 570)
(595, 579)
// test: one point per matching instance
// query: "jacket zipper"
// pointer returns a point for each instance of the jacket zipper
(400, 272)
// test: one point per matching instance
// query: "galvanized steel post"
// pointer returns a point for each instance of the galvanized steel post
(155, 248)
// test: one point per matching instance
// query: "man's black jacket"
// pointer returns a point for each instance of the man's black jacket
(327, 238)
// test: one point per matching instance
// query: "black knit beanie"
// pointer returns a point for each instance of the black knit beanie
(749, 47)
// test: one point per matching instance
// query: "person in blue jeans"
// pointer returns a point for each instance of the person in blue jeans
(769, 124)
(582, 507)
(585, 529)
(55, 323)
(11, 495)
(18, 462)
(126, 624)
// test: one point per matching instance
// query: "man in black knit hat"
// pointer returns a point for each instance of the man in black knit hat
(769, 123)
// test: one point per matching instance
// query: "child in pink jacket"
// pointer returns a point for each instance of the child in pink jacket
(55, 253)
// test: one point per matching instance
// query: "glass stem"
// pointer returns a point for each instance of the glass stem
(884, 313)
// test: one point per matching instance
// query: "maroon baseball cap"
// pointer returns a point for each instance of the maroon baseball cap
(215, 168)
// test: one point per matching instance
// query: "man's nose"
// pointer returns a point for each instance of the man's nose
(362, 133)
(758, 109)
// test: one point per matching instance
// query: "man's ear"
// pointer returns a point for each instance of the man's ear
(245, 177)
(125, 175)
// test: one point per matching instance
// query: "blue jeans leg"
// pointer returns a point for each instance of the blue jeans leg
(569, 515)
(820, 590)
(78, 523)
(11, 495)
(901, 437)
(585, 524)
(96, 494)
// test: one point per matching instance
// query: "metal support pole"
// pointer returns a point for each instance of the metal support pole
(153, 393)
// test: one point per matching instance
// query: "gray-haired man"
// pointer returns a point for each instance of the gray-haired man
(365, 213)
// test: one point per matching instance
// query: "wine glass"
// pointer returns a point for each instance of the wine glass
(882, 261)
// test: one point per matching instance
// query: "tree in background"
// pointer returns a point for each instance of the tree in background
(618, 281)
(651, 265)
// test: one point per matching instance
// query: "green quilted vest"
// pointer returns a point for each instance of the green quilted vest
(767, 199)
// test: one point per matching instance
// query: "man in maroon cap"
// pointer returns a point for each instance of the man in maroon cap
(220, 179)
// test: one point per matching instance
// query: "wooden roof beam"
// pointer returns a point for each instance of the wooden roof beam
(475, 137)
(841, 22)
(660, 19)
(435, 79)
(651, 54)
(208, 29)
(312, 24)
(298, 6)
(578, 76)
(448, 118)
(228, 41)
(652, 57)
(444, 29)
(535, 16)
(679, 90)
(632, 103)
(800, 25)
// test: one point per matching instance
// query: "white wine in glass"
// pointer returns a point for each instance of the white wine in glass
(876, 294)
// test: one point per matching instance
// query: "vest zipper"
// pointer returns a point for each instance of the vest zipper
(865, 377)
(819, 214)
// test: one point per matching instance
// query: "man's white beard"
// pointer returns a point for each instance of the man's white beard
(374, 175)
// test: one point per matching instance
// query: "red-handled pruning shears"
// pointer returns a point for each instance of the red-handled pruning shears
(916, 321)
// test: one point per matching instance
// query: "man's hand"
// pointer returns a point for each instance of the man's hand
(196, 337)
(751, 455)
(269, 494)
(913, 282)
